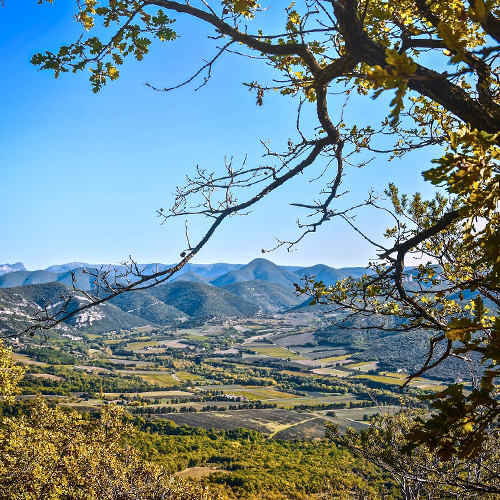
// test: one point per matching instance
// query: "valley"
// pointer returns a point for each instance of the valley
(190, 360)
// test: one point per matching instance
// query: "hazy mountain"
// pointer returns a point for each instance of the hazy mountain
(329, 275)
(258, 269)
(8, 268)
(84, 280)
(212, 270)
(198, 299)
(190, 276)
(71, 266)
(207, 270)
(270, 297)
(20, 278)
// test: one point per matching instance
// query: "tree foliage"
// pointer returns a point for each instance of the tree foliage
(52, 454)
(438, 62)
(422, 474)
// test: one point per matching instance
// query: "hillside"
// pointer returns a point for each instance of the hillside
(18, 304)
(329, 275)
(258, 269)
(270, 297)
(147, 307)
(198, 299)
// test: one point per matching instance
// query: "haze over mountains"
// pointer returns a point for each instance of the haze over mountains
(220, 274)
(200, 290)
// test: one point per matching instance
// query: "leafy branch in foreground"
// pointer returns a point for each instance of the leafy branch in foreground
(422, 474)
(439, 63)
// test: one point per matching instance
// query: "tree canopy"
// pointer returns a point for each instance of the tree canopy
(438, 63)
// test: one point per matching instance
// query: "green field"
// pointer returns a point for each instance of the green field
(22, 358)
(332, 372)
(275, 351)
(142, 345)
(394, 375)
(159, 378)
(200, 338)
(382, 379)
(144, 329)
(187, 376)
(261, 394)
(358, 365)
(332, 359)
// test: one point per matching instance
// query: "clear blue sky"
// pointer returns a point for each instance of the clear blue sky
(83, 174)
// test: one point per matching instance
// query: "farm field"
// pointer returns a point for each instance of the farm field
(255, 394)
(26, 360)
(274, 351)
(159, 378)
(298, 385)
(268, 421)
(332, 372)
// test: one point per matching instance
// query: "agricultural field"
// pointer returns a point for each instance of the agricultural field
(161, 378)
(272, 350)
(253, 373)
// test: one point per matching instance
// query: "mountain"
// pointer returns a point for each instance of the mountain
(207, 270)
(258, 269)
(198, 299)
(212, 270)
(8, 268)
(190, 276)
(270, 297)
(21, 278)
(329, 275)
(64, 268)
(148, 307)
(84, 280)
(18, 304)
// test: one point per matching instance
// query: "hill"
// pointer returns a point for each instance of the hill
(148, 307)
(270, 297)
(329, 275)
(190, 276)
(18, 304)
(258, 269)
(198, 299)
(8, 268)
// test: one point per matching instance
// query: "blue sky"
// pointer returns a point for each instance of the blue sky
(83, 174)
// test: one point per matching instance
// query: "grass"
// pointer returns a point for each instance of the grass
(394, 375)
(187, 376)
(332, 372)
(22, 358)
(143, 329)
(160, 378)
(382, 379)
(332, 359)
(255, 394)
(47, 376)
(190, 331)
(151, 394)
(142, 345)
(199, 338)
(198, 472)
(275, 351)
(111, 342)
(361, 363)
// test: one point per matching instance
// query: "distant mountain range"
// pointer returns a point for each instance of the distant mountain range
(9, 268)
(220, 274)
(202, 290)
